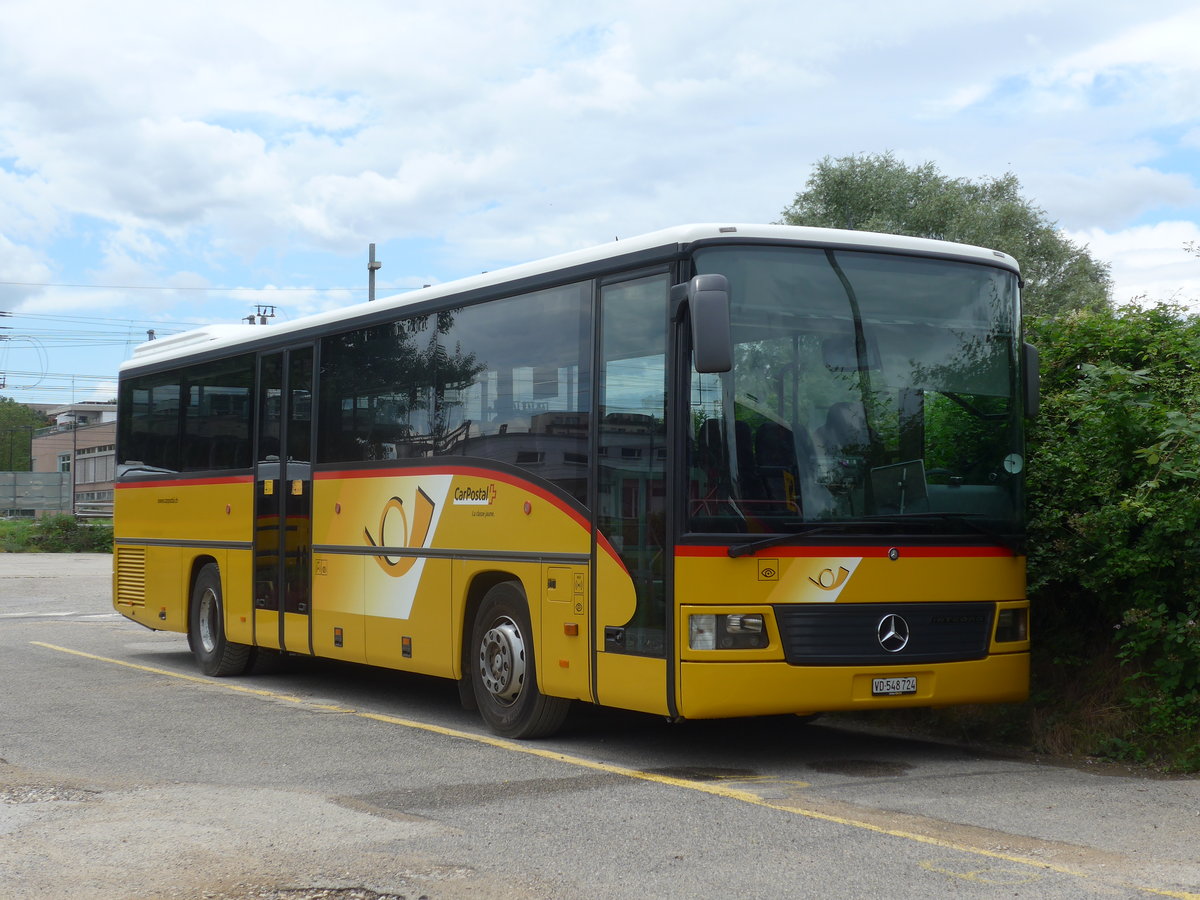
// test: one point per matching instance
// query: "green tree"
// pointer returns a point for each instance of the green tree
(17, 424)
(877, 192)
(1114, 490)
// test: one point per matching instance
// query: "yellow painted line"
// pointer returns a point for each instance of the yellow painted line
(716, 790)
(996, 878)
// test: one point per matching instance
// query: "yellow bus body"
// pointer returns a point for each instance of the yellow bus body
(386, 594)
(720, 683)
(165, 531)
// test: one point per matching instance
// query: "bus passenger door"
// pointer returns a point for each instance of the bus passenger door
(283, 502)
(633, 605)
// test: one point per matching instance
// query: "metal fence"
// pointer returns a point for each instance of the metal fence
(28, 493)
(94, 509)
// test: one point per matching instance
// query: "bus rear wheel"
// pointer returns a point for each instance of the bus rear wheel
(503, 670)
(206, 628)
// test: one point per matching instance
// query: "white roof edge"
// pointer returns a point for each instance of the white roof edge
(227, 335)
(196, 337)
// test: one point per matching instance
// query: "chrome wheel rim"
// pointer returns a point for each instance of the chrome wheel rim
(208, 620)
(502, 661)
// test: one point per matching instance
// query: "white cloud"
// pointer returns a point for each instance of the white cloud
(1149, 261)
(26, 205)
(102, 392)
(1166, 43)
(1111, 198)
(19, 263)
(1090, 111)
(250, 142)
(22, 267)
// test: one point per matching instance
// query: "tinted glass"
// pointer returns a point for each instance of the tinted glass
(506, 380)
(218, 414)
(864, 385)
(299, 431)
(631, 493)
(148, 422)
(195, 419)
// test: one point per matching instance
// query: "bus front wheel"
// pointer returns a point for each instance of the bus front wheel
(206, 628)
(503, 673)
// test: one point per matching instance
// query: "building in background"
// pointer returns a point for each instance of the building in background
(82, 445)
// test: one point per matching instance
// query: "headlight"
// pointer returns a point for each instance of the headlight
(1012, 625)
(727, 632)
(702, 632)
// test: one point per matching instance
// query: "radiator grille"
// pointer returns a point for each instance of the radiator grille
(131, 576)
(849, 634)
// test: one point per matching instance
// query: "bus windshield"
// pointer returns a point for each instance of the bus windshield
(870, 393)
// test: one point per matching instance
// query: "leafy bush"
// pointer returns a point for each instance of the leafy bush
(14, 535)
(59, 534)
(1115, 512)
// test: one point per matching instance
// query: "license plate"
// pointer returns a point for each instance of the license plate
(893, 687)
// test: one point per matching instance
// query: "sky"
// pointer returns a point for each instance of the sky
(165, 164)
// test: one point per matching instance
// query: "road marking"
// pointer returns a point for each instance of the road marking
(993, 875)
(704, 787)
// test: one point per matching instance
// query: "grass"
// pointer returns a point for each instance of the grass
(55, 534)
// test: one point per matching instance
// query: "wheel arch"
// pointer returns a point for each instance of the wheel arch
(198, 563)
(503, 672)
(208, 632)
(480, 584)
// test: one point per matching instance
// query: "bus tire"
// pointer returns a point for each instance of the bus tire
(503, 670)
(206, 628)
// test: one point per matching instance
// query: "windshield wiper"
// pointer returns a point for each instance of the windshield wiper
(131, 467)
(967, 519)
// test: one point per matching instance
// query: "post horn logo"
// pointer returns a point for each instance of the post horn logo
(828, 580)
(411, 534)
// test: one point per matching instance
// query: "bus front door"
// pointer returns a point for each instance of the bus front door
(283, 503)
(633, 609)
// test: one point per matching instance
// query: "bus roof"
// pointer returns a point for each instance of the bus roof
(668, 242)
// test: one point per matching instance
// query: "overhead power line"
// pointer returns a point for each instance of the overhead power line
(166, 287)
(60, 318)
(61, 376)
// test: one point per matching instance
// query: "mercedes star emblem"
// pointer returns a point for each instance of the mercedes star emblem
(893, 633)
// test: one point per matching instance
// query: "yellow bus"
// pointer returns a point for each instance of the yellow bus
(713, 471)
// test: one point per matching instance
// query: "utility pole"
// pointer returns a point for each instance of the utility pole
(372, 268)
(74, 449)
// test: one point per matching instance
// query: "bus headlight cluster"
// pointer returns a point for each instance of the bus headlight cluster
(1012, 625)
(727, 632)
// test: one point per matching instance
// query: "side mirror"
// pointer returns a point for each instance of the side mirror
(712, 339)
(1030, 365)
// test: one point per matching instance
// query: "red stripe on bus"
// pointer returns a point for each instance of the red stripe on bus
(867, 552)
(183, 482)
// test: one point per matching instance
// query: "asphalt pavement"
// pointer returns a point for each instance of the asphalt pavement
(124, 773)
